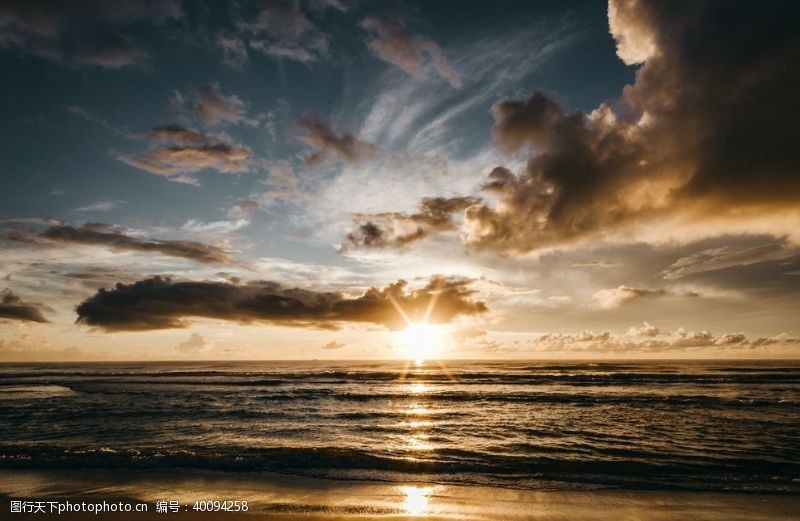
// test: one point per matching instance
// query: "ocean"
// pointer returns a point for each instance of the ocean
(699, 425)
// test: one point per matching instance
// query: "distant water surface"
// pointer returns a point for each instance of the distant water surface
(536, 425)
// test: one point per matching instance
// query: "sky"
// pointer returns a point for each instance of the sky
(305, 179)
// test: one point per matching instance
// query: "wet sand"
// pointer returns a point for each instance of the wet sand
(274, 496)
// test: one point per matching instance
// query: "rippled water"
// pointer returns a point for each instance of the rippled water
(539, 425)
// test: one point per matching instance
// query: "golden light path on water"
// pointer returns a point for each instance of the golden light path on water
(416, 500)
(421, 342)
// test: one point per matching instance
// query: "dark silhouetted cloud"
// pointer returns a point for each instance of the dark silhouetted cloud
(161, 303)
(14, 308)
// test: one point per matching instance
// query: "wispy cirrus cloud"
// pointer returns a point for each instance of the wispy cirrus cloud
(728, 256)
(101, 206)
(117, 240)
(238, 217)
(392, 42)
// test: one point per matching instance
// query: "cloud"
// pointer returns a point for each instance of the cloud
(282, 184)
(238, 217)
(280, 29)
(329, 146)
(97, 119)
(207, 102)
(700, 145)
(334, 344)
(88, 34)
(650, 339)
(178, 134)
(101, 206)
(215, 227)
(14, 308)
(393, 43)
(615, 297)
(117, 240)
(337, 5)
(597, 264)
(394, 229)
(161, 303)
(196, 342)
(234, 50)
(243, 209)
(180, 152)
(728, 256)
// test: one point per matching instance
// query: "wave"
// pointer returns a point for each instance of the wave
(447, 465)
(270, 379)
(310, 394)
(19, 392)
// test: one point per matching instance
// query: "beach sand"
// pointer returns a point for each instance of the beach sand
(272, 496)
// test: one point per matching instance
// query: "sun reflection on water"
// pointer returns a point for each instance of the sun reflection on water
(416, 500)
(417, 388)
(418, 442)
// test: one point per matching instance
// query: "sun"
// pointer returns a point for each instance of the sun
(422, 341)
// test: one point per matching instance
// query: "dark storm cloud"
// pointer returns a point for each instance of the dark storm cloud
(394, 229)
(86, 33)
(160, 303)
(393, 43)
(704, 139)
(117, 240)
(14, 308)
(329, 146)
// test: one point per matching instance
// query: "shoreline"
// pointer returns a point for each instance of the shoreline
(277, 496)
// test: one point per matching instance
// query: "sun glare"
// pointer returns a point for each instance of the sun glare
(422, 341)
(416, 500)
